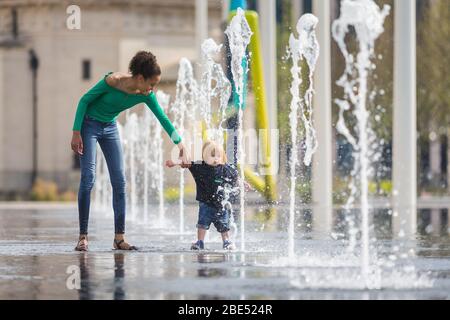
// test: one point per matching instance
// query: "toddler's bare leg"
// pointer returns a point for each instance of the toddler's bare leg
(201, 234)
(225, 236)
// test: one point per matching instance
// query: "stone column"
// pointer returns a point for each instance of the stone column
(448, 178)
(435, 170)
(2, 151)
(323, 158)
(225, 10)
(297, 11)
(404, 124)
(201, 25)
(268, 25)
(435, 217)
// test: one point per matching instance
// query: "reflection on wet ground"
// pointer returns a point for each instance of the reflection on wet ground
(37, 261)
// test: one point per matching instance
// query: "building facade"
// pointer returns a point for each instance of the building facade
(70, 61)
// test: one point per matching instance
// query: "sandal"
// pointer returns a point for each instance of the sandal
(82, 244)
(118, 245)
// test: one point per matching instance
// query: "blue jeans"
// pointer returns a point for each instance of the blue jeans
(107, 135)
(208, 214)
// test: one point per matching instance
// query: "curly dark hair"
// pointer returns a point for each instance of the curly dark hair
(144, 63)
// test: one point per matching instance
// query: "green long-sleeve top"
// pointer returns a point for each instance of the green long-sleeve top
(104, 103)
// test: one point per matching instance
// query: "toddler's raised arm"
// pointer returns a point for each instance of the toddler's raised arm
(178, 162)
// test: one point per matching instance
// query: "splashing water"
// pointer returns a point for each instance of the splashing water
(214, 85)
(239, 34)
(131, 132)
(209, 49)
(163, 100)
(141, 135)
(367, 20)
(192, 95)
(305, 47)
(150, 166)
(185, 106)
(146, 133)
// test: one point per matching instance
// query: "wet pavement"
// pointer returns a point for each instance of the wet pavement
(37, 261)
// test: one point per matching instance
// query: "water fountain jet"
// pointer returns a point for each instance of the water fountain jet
(305, 47)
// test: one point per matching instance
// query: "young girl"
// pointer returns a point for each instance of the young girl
(95, 122)
(216, 183)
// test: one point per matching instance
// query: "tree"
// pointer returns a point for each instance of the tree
(433, 78)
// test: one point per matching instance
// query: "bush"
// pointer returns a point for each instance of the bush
(173, 194)
(68, 196)
(44, 191)
(341, 189)
(383, 188)
(304, 191)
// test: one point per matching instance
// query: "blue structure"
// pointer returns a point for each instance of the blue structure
(234, 4)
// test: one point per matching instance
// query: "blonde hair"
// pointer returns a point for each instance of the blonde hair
(213, 146)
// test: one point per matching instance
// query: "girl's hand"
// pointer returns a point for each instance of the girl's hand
(184, 166)
(184, 156)
(77, 143)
